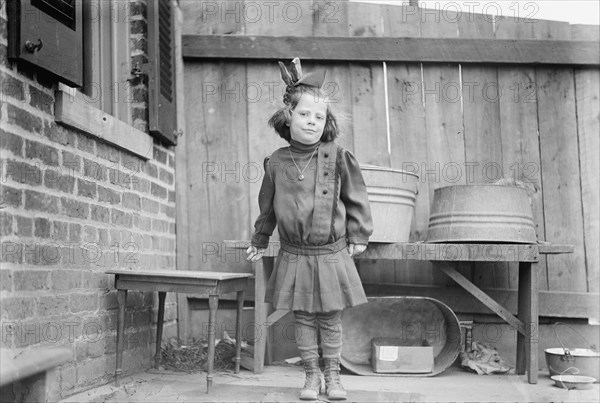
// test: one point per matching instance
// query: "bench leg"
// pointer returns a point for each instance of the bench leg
(121, 299)
(238, 330)
(159, 326)
(528, 311)
(213, 304)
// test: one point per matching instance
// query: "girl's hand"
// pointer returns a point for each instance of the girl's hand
(254, 254)
(355, 249)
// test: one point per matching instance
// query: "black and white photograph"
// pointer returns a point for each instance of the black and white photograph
(299, 201)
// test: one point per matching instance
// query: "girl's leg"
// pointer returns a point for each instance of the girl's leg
(330, 324)
(306, 340)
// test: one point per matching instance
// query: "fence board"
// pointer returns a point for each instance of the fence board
(560, 168)
(443, 119)
(408, 138)
(203, 17)
(587, 84)
(481, 120)
(369, 114)
(519, 131)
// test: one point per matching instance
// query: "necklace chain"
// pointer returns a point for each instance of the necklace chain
(301, 172)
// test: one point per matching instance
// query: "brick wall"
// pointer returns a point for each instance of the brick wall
(73, 207)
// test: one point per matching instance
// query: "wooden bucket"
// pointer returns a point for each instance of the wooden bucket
(416, 321)
(392, 195)
(481, 213)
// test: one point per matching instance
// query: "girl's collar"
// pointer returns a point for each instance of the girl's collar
(301, 148)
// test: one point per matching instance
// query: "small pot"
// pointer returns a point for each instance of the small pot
(573, 361)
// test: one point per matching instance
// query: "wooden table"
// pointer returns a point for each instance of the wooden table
(213, 284)
(525, 322)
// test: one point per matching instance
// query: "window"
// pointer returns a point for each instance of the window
(86, 45)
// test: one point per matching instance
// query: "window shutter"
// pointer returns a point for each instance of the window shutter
(161, 85)
(48, 34)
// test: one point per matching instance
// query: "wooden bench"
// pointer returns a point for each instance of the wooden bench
(34, 370)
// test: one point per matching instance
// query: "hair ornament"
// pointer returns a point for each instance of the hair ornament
(294, 77)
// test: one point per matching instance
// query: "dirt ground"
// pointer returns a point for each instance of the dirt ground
(281, 383)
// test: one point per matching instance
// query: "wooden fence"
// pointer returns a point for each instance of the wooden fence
(452, 123)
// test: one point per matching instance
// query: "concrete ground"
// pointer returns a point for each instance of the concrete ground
(281, 384)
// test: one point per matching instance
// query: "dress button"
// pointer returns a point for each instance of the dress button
(326, 155)
(325, 192)
(326, 173)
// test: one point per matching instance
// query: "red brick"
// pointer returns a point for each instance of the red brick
(12, 252)
(84, 302)
(107, 152)
(132, 201)
(48, 155)
(30, 280)
(167, 210)
(24, 226)
(41, 100)
(52, 305)
(13, 87)
(141, 185)
(56, 180)
(24, 119)
(3, 59)
(17, 308)
(59, 134)
(120, 178)
(42, 228)
(172, 228)
(138, 27)
(6, 280)
(171, 161)
(60, 231)
(108, 195)
(23, 172)
(121, 218)
(103, 240)
(6, 224)
(158, 191)
(160, 155)
(171, 196)
(94, 170)
(159, 226)
(11, 142)
(150, 169)
(130, 162)
(64, 280)
(74, 232)
(165, 176)
(93, 347)
(10, 196)
(74, 208)
(85, 143)
(86, 188)
(100, 213)
(71, 162)
(150, 206)
(36, 201)
(143, 223)
(89, 234)
(92, 280)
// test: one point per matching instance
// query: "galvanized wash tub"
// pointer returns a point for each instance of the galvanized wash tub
(392, 195)
(481, 213)
(417, 321)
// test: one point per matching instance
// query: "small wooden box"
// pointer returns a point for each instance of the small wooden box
(389, 356)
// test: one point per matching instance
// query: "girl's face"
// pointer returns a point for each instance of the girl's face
(308, 119)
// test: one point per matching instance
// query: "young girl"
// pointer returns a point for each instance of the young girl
(314, 192)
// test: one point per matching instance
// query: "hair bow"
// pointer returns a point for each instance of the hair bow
(294, 77)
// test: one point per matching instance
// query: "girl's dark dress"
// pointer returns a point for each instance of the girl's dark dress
(315, 217)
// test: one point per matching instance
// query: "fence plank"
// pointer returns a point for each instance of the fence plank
(443, 119)
(408, 138)
(481, 119)
(519, 131)
(560, 170)
(587, 84)
(369, 114)
(204, 17)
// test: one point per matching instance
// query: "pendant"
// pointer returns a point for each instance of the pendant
(301, 177)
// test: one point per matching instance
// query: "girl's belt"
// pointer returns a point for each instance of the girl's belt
(314, 249)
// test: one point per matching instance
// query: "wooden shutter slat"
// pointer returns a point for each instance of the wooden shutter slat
(161, 41)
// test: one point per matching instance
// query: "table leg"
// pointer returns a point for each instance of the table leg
(528, 312)
(213, 304)
(263, 270)
(238, 330)
(121, 299)
(159, 326)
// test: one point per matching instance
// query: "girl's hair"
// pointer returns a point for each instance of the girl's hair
(281, 119)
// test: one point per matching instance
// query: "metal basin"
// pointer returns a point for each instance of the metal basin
(481, 213)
